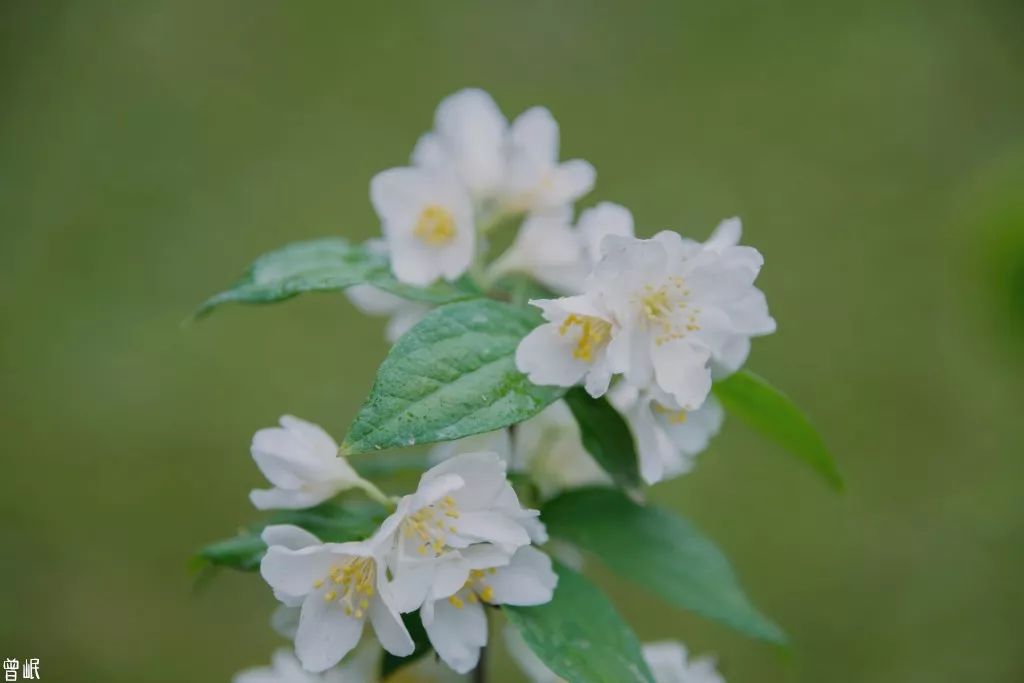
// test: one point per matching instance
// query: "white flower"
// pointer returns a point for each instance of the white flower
(572, 345)
(301, 460)
(558, 255)
(402, 314)
(549, 449)
(536, 181)
(456, 623)
(359, 667)
(734, 349)
(547, 249)
(427, 220)
(338, 586)
(469, 139)
(656, 310)
(463, 501)
(666, 660)
(667, 439)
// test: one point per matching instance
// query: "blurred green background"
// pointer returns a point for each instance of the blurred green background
(875, 150)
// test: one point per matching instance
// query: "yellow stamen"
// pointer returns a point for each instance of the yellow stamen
(436, 226)
(594, 333)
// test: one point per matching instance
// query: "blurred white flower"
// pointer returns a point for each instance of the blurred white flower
(549, 449)
(469, 140)
(667, 439)
(360, 666)
(454, 618)
(401, 313)
(535, 180)
(463, 501)
(338, 586)
(427, 220)
(666, 660)
(301, 460)
(559, 256)
(669, 664)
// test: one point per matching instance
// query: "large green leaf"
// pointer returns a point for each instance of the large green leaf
(771, 412)
(450, 376)
(580, 636)
(326, 264)
(659, 550)
(606, 436)
(329, 522)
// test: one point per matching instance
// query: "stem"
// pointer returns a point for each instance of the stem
(376, 494)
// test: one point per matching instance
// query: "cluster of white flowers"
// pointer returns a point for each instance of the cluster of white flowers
(461, 541)
(660, 316)
(667, 661)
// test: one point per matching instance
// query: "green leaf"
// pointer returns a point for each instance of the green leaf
(390, 663)
(659, 550)
(606, 436)
(328, 521)
(327, 264)
(380, 465)
(580, 636)
(450, 376)
(768, 410)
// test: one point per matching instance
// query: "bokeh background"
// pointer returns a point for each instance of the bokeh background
(875, 150)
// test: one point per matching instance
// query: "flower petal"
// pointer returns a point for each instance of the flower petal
(457, 634)
(325, 634)
(390, 630)
(527, 579)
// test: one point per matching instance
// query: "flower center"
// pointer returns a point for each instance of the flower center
(676, 417)
(352, 585)
(667, 310)
(435, 226)
(474, 590)
(594, 334)
(431, 525)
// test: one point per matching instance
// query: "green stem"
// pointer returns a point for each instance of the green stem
(376, 494)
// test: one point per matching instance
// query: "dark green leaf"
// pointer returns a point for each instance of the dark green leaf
(327, 264)
(606, 436)
(659, 550)
(771, 412)
(580, 636)
(390, 663)
(328, 521)
(450, 376)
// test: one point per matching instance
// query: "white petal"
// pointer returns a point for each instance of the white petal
(527, 580)
(390, 630)
(472, 130)
(667, 661)
(568, 182)
(412, 583)
(545, 356)
(429, 152)
(483, 474)
(534, 135)
(289, 536)
(490, 527)
(727, 234)
(681, 369)
(281, 499)
(326, 633)
(314, 436)
(374, 301)
(655, 451)
(458, 634)
(295, 571)
(601, 221)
